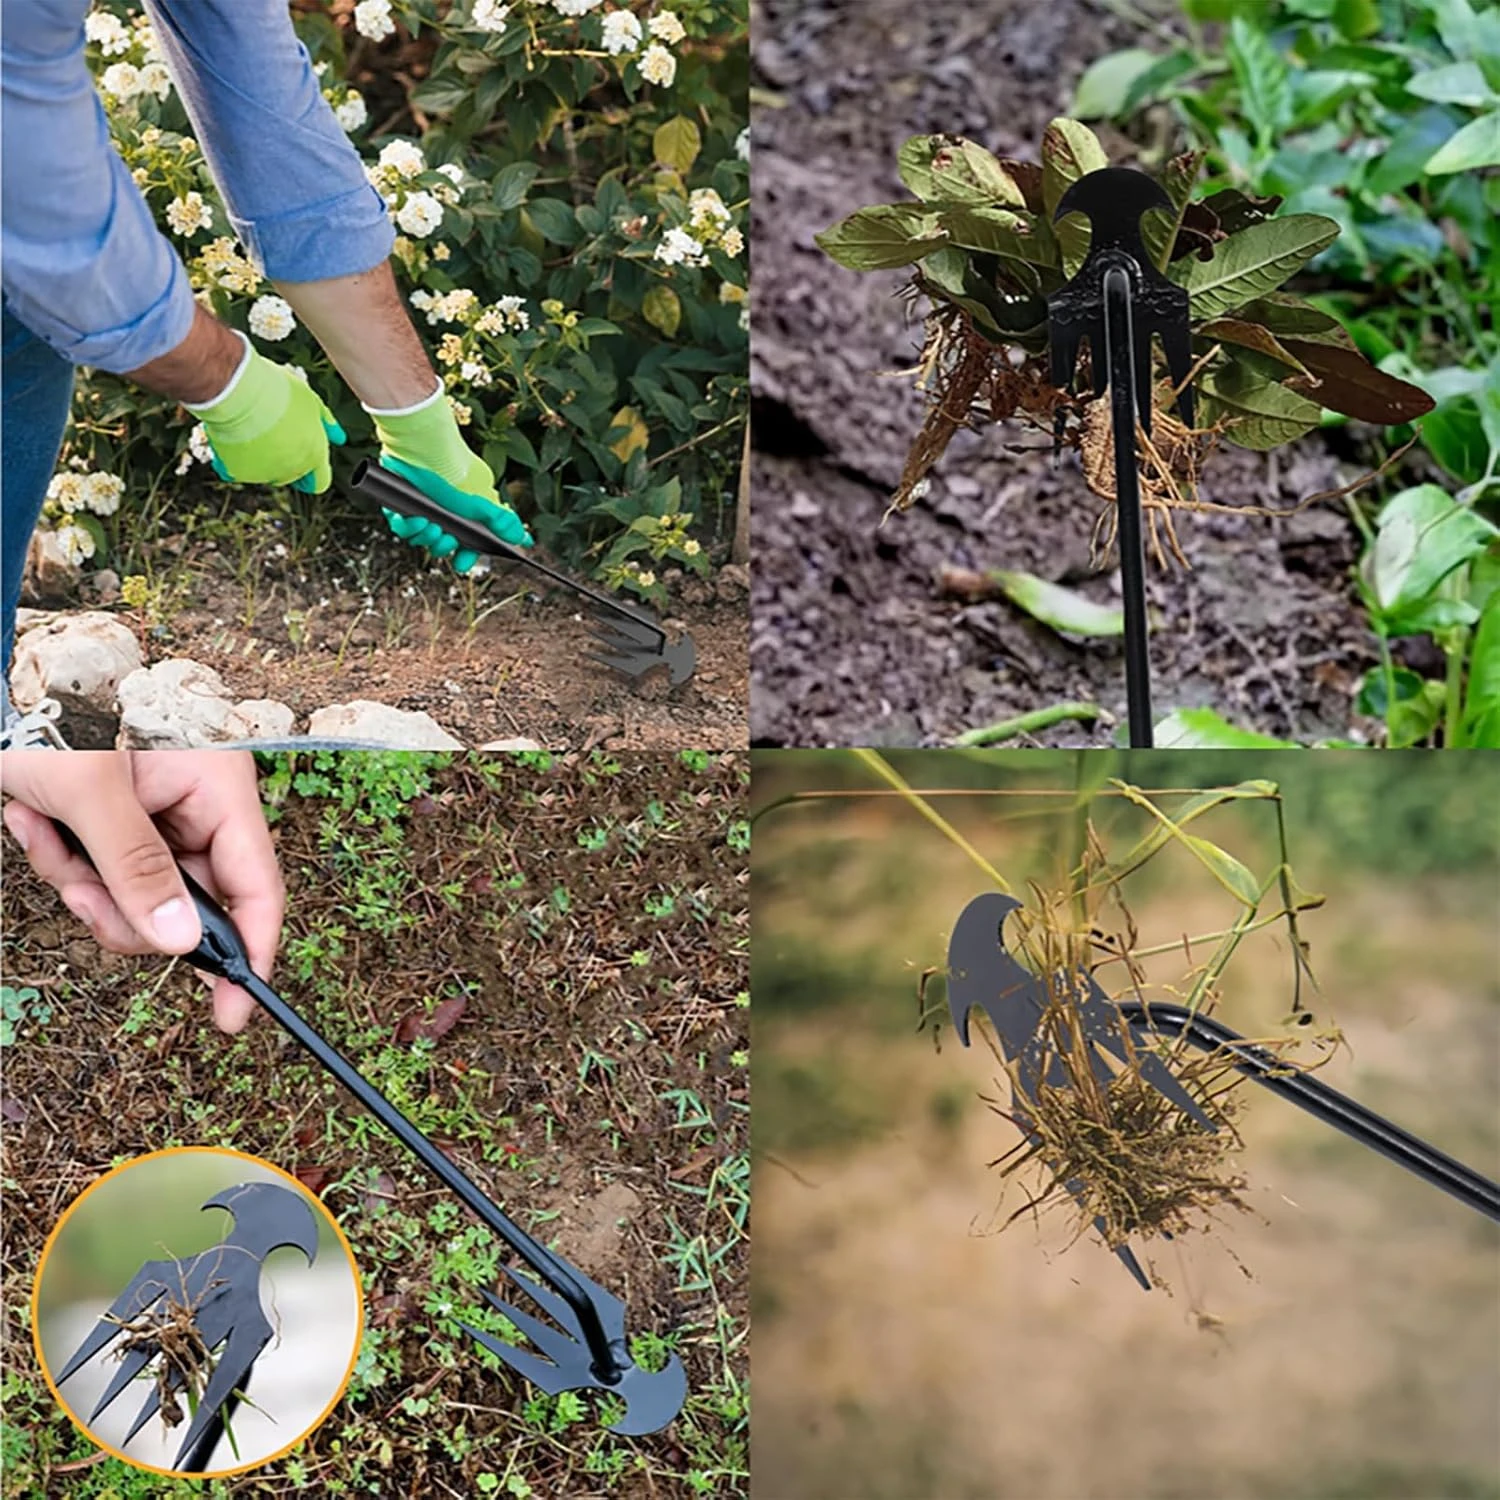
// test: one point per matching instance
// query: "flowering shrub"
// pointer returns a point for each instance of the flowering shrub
(569, 185)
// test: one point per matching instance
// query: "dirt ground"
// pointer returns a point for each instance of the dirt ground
(544, 963)
(851, 643)
(1339, 1342)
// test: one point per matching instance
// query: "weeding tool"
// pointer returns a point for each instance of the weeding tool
(627, 640)
(1117, 301)
(220, 1289)
(584, 1347)
(982, 972)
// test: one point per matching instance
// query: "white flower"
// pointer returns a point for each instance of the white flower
(199, 446)
(351, 114)
(101, 493)
(149, 43)
(742, 144)
(452, 307)
(658, 65)
(729, 292)
(271, 318)
(154, 79)
(690, 548)
(420, 214)
(121, 80)
(679, 248)
(665, 27)
(622, 32)
(421, 298)
(107, 32)
(186, 216)
(645, 578)
(489, 15)
(183, 464)
(475, 373)
(452, 190)
(706, 209)
(731, 242)
(65, 493)
(77, 545)
(575, 7)
(372, 18)
(462, 414)
(403, 158)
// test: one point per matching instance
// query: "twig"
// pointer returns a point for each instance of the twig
(1030, 723)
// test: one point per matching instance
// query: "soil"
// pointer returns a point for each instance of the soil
(851, 642)
(583, 999)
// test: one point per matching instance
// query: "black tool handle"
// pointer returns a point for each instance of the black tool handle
(1119, 336)
(1318, 1099)
(392, 492)
(222, 952)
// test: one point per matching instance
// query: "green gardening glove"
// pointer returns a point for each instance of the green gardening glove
(269, 427)
(422, 443)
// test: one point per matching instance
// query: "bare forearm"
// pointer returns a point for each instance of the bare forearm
(365, 330)
(199, 367)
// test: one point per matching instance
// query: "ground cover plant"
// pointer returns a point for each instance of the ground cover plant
(543, 961)
(568, 184)
(978, 611)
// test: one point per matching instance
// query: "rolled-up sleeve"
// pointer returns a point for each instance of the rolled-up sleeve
(85, 268)
(294, 186)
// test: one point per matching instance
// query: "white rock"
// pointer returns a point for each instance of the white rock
(517, 744)
(181, 703)
(80, 660)
(399, 728)
(50, 573)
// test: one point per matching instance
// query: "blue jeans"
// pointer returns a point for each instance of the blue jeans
(38, 392)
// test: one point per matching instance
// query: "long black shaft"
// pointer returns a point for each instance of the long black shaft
(1318, 1099)
(1119, 338)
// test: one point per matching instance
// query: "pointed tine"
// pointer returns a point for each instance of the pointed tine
(543, 1374)
(149, 1408)
(627, 666)
(554, 1343)
(130, 1367)
(1142, 356)
(103, 1334)
(544, 1297)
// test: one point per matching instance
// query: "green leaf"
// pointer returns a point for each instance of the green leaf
(1422, 535)
(1069, 151)
(1005, 232)
(662, 309)
(1260, 413)
(1415, 712)
(1158, 227)
(1476, 145)
(1481, 720)
(1203, 729)
(950, 169)
(513, 182)
(1250, 336)
(1158, 79)
(1265, 89)
(1062, 609)
(1290, 317)
(1454, 436)
(677, 144)
(1406, 155)
(1458, 83)
(883, 237)
(1226, 869)
(1252, 262)
(1107, 82)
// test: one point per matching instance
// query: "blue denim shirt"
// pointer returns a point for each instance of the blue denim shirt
(84, 266)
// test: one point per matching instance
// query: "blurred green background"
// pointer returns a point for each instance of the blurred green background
(1342, 1340)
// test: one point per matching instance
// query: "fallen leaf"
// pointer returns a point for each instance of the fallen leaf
(314, 1179)
(443, 1019)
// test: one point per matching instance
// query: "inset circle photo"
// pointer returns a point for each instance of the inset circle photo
(197, 1311)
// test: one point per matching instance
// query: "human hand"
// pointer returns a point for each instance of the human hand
(423, 444)
(138, 813)
(270, 427)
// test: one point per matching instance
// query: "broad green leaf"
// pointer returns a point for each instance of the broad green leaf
(1008, 233)
(1379, 689)
(1476, 145)
(1251, 336)
(1290, 317)
(1252, 262)
(1203, 729)
(1107, 82)
(1260, 413)
(1356, 18)
(1422, 535)
(1454, 436)
(1058, 607)
(883, 237)
(1481, 721)
(1406, 156)
(1458, 83)
(1226, 869)
(1415, 712)
(1265, 89)
(1158, 226)
(950, 169)
(677, 143)
(1159, 77)
(513, 182)
(1069, 151)
(662, 309)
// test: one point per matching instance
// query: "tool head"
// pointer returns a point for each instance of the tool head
(974, 951)
(1113, 198)
(652, 1397)
(267, 1217)
(632, 644)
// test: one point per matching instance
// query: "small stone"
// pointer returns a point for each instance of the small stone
(734, 581)
(804, 507)
(397, 728)
(50, 575)
(182, 704)
(80, 660)
(516, 744)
